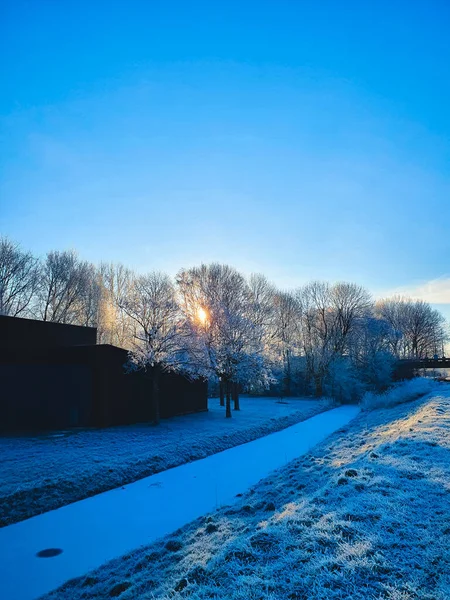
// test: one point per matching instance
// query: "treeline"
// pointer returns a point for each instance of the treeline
(213, 321)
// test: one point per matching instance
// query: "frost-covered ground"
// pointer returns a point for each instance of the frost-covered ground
(365, 516)
(40, 473)
(109, 525)
(404, 391)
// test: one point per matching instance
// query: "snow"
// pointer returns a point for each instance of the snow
(364, 516)
(100, 528)
(399, 393)
(40, 473)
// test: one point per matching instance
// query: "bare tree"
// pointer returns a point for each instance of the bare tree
(332, 316)
(18, 278)
(317, 331)
(114, 324)
(63, 280)
(350, 305)
(90, 302)
(285, 337)
(261, 307)
(416, 330)
(390, 310)
(261, 312)
(424, 329)
(370, 352)
(160, 336)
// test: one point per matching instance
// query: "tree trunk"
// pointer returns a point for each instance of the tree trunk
(228, 404)
(221, 393)
(319, 388)
(235, 395)
(155, 390)
(287, 376)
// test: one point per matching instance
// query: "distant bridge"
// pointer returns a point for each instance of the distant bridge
(425, 363)
(405, 368)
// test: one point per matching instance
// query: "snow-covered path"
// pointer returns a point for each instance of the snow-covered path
(106, 526)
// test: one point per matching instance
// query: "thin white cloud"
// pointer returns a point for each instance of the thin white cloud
(436, 291)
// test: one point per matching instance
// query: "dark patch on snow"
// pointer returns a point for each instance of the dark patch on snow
(49, 552)
(181, 585)
(240, 555)
(174, 545)
(247, 509)
(197, 575)
(263, 541)
(119, 589)
(351, 473)
(211, 528)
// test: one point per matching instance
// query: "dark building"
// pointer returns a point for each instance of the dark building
(55, 376)
(29, 333)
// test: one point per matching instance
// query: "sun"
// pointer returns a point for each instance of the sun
(202, 315)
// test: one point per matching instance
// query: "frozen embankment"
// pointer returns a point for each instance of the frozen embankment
(106, 526)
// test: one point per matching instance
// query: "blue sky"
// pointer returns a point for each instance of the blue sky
(305, 140)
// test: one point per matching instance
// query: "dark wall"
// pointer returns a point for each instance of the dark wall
(181, 396)
(123, 397)
(85, 386)
(40, 396)
(29, 333)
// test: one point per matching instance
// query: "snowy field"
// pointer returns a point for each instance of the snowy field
(41, 473)
(365, 516)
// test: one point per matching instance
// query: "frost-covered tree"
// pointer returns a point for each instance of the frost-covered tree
(424, 329)
(284, 343)
(342, 380)
(161, 338)
(317, 331)
(416, 329)
(350, 305)
(391, 312)
(18, 278)
(216, 300)
(370, 353)
(332, 317)
(261, 307)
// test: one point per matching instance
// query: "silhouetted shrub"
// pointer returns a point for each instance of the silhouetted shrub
(119, 589)
(174, 545)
